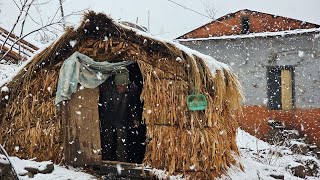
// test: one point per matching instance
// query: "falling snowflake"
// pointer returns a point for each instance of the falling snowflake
(72, 43)
(16, 148)
(300, 53)
(119, 168)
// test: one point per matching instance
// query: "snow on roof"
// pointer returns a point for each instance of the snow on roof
(212, 63)
(253, 35)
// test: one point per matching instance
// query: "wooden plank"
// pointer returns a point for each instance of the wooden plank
(286, 89)
(13, 55)
(10, 57)
(22, 40)
(11, 41)
(14, 48)
(127, 164)
(82, 143)
(125, 170)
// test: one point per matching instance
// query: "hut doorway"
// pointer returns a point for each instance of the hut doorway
(122, 131)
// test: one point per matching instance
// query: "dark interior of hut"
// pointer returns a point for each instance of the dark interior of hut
(134, 142)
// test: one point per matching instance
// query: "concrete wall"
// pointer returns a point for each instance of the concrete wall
(248, 57)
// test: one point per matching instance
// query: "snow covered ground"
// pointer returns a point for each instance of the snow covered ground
(59, 172)
(6, 71)
(259, 159)
(262, 160)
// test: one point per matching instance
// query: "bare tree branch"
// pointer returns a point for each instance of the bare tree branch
(39, 4)
(62, 14)
(20, 38)
(21, 2)
(185, 7)
(209, 8)
(22, 26)
(48, 29)
(14, 26)
(55, 14)
(16, 4)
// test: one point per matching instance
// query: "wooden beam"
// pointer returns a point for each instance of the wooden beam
(25, 54)
(28, 48)
(22, 40)
(13, 55)
(121, 163)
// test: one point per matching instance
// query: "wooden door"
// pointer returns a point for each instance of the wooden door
(82, 128)
(286, 89)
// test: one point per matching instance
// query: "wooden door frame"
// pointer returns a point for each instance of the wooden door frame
(291, 68)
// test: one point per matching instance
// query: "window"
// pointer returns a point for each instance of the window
(280, 87)
(245, 23)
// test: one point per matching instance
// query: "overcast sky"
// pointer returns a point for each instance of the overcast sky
(167, 19)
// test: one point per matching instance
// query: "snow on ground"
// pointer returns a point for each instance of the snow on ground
(260, 160)
(7, 70)
(59, 172)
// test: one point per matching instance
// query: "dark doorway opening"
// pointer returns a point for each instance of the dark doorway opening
(274, 88)
(131, 136)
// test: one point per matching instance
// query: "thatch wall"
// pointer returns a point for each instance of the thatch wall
(199, 143)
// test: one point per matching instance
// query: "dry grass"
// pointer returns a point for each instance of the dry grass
(199, 143)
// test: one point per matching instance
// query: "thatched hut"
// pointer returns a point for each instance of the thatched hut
(197, 143)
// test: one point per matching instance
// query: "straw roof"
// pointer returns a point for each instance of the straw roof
(200, 144)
